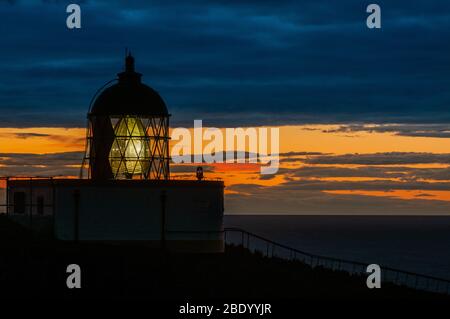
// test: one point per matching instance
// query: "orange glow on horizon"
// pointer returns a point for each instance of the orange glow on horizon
(401, 194)
(41, 140)
(298, 138)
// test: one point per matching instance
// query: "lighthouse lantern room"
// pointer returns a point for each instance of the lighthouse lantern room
(128, 130)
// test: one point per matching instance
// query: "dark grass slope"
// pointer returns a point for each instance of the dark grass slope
(35, 267)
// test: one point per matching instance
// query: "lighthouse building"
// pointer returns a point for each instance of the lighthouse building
(127, 193)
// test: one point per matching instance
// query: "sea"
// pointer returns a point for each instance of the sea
(419, 244)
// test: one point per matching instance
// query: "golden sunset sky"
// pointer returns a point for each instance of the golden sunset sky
(326, 169)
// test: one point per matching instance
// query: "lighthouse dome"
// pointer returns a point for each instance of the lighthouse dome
(129, 96)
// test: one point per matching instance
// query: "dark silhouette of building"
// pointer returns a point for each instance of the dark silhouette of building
(128, 194)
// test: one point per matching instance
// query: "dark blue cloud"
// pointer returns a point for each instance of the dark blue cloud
(287, 61)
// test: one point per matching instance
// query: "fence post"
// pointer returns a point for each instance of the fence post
(7, 196)
(163, 198)
(31, 204)
(76, 215)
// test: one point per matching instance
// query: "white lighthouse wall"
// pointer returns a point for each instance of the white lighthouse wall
(122, 211)
(135, 213)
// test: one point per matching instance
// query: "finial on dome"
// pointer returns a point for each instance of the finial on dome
(129, 75)
(129, 61)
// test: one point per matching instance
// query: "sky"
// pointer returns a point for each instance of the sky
(363, 114)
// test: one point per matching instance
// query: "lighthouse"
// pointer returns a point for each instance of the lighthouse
(127, 193)
(128, 130)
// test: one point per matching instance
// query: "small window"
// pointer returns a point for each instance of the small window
(19, 202)
(40, 205)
